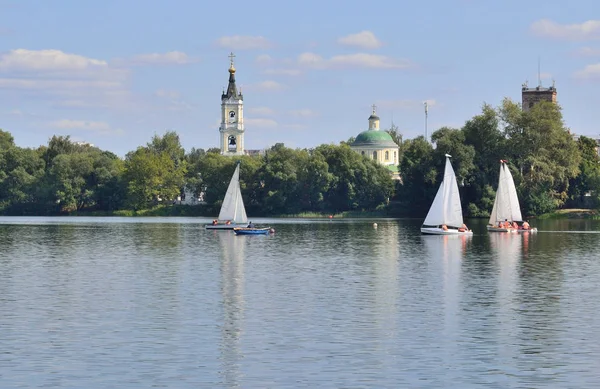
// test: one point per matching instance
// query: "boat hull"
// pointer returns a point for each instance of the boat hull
(222, 226)
(510, 230)
(251, 231)
(439, 231)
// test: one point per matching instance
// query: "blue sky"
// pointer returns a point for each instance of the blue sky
(114, 73)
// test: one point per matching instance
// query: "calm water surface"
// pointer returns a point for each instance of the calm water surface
(161, 302)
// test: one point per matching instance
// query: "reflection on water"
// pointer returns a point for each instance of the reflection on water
(119, 302)
(232, 290)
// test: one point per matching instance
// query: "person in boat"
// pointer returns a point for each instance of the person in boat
(214, 222)
(525, 225)
(463, 228)
(444, 227)
(228, 222)
(250, 225)
(515, 225)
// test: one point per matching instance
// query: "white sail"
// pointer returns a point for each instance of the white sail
(506, 204)
(446, 208)
(233, 205)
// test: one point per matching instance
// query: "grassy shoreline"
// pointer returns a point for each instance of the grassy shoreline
(199, 211)
(573, 213)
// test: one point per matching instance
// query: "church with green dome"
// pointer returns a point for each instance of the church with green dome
(378, 145)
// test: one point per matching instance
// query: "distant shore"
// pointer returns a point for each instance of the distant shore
(572, 213)
(200, 211)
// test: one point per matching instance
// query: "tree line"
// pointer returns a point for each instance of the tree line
(551, 169)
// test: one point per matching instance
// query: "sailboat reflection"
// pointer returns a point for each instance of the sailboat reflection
(507, 252)
(232, 292)
(447, 252)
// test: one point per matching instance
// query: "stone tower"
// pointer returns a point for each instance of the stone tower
(232, 117)
(531, 96)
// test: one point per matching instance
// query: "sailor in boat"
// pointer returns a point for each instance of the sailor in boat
(228, 222)
(214, 222)
(463, 228)
(444, 227)
(515, 225)
(525, 225)
(250, 225)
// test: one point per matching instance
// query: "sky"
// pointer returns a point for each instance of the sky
(115, 73)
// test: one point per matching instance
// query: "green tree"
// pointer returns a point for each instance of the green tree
(419, 175)
(545, 154)
(6, 140)
(483, 133)
(155, 173)
(584, 189)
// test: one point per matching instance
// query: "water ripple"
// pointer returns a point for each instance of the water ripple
(161, 302)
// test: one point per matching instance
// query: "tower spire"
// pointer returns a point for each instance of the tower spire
(231, 88)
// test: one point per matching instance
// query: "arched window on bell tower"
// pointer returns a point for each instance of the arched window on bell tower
(231, 144)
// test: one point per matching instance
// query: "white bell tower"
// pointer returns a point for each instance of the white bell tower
(232, 117)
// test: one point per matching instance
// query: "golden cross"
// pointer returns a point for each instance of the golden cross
(231, 57)
(374, 106)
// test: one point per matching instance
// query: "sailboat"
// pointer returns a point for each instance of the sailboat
(506, 208)
(445, 215)
(233, 212)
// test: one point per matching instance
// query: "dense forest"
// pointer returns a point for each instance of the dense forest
(552, 170)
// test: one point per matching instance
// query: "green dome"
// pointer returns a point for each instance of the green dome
(374, 138)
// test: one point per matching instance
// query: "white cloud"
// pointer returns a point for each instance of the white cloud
(175, 103)
(165, 93)
(24, 83)
(588, 52)
(77, 103)
(244, 42)
(264, 111)
(70, 77)
(260, 122)
(589, 72)
(268, 85)
(282, 72)
(406, 104)
(364, 39)
(169, 58)
(179, 105)
(589, 30)
(357, 60)
(304, 113)
(47, 60)
(81, 125)
(18, 113)
(264, 59)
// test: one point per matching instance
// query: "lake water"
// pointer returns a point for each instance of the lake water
(161, 302)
